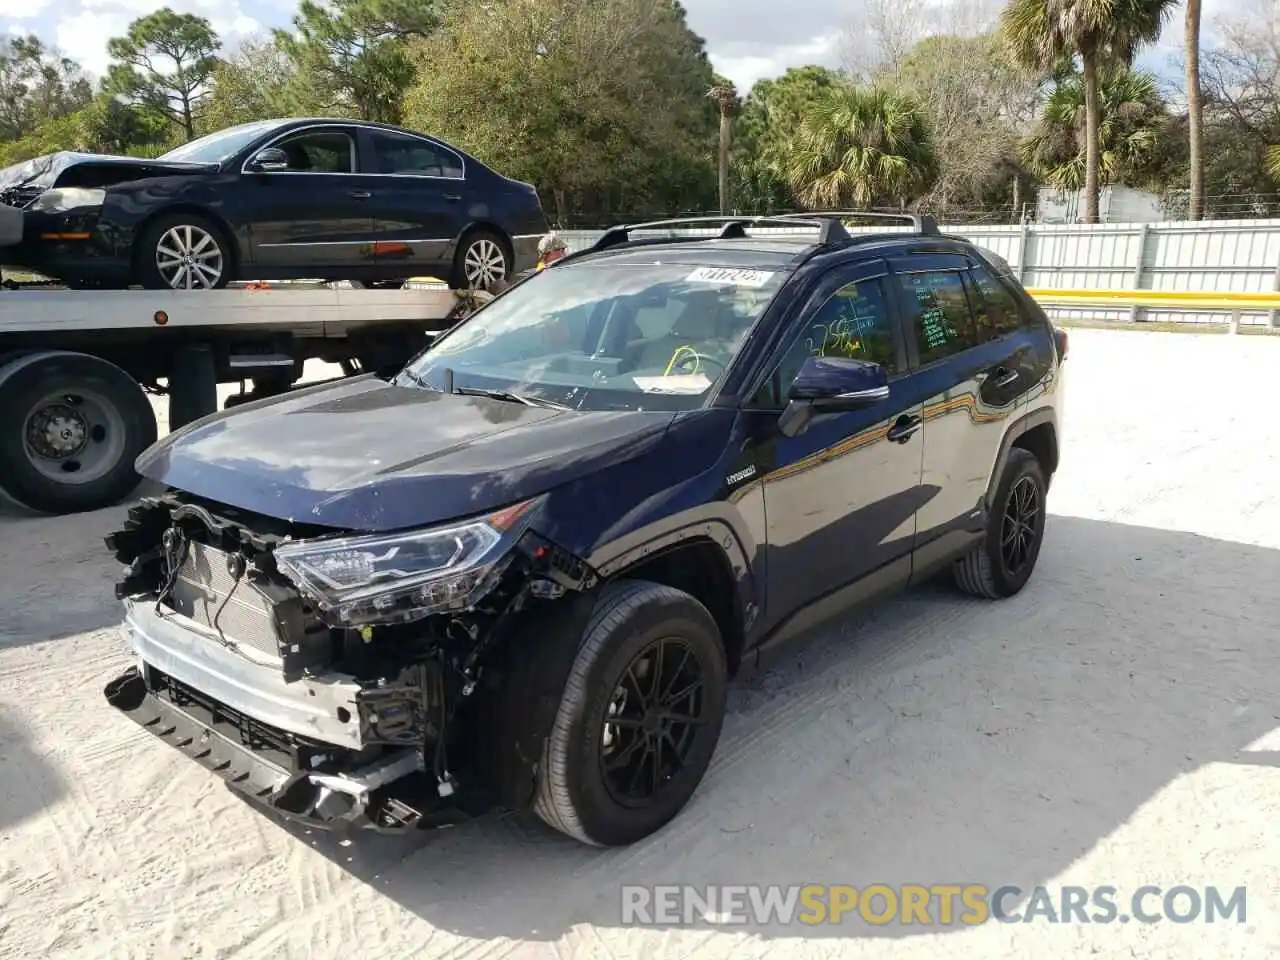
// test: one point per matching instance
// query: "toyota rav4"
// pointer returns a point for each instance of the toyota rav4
(521, 572)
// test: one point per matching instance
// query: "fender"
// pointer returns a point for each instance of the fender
(719, 523)
(1024, 424)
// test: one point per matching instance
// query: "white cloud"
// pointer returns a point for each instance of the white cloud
(21, 10)
(745, 69)
(82, 35)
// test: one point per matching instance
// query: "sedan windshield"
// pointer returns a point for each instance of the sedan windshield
(601, 336)
(216, 147)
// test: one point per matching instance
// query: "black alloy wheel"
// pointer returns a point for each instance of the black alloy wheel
(652, 720)
(1001, 563)
(1020, 526)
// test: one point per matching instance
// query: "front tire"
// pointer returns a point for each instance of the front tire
(639, 719)
(481, 260)
(1002, 563)
(184, 251)
(71, 427)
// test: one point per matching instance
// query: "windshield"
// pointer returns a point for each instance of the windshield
(600, 336)
(216, 147)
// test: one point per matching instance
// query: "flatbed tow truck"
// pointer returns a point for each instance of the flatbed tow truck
(76, 367)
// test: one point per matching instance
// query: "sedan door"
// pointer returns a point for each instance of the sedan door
(316, 214)
(968, 377)
(421, 204)
(841, 497)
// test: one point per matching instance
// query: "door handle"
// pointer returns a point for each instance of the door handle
(1003, 377)
(361, 194)
(453, 196)
(904, 428)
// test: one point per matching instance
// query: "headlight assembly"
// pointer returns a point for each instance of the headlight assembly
(63, 199)
(390, 578)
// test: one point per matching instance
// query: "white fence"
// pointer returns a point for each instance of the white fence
(1219, 255)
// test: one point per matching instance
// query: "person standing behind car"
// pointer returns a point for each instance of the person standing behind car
(550, 249)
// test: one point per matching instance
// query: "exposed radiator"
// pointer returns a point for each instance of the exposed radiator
(207, 592)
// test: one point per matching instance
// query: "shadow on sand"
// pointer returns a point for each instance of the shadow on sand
(934, 740)
(28, 785)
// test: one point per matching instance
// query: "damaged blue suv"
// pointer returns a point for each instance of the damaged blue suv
(522, 572)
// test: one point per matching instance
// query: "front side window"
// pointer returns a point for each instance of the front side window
(854, 323)
(600, 336)
(404, 156)
(319, 151)
(937, 311)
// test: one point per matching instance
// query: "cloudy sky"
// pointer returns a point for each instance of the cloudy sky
(747, 39)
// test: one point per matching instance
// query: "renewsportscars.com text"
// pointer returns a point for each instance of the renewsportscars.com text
(927, 904)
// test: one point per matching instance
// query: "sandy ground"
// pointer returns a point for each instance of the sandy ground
(1117, 723)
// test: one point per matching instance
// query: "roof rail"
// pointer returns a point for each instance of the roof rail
(830, 229)
(920, 222)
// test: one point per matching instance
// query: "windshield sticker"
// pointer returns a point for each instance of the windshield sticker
(680, 383)
(738, 278)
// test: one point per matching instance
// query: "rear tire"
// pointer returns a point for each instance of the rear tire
(482, 258)
(617, 669)
(71, 427)
(1003, 562)
(167, 242)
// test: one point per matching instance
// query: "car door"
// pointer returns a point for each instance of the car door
(841, 497)
(317, 213)
(421, 204)
(1027, 346)
(966, 375)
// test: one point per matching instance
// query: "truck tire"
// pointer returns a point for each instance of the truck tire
(1002, 562)
(619, 763)
(71, 427)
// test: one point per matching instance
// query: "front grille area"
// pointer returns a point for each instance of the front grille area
(208, 592)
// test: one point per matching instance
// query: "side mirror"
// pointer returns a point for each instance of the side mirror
(270, 160)
(832, 385)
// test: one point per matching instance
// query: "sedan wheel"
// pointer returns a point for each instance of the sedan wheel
(189, 258)
(481, 262)
(184, 251)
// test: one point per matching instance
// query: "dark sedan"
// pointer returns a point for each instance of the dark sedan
(275, 200)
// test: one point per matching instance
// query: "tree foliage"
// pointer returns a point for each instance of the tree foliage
(770, 113)
(352, 56)
(1041, 34)
(163, 63)
(1134, 117)
(36, 84)
(859, 147)
(611, 107)
(255, 83)
(603, 105)
(977, 104)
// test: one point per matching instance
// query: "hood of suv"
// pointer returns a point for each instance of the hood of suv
(363, 454)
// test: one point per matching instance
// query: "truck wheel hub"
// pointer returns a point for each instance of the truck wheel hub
(58, 432)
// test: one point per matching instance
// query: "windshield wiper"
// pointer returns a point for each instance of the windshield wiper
(511, 397)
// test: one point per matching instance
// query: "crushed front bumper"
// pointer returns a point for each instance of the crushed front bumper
(241, 720)
(321, 708)
(328, 801)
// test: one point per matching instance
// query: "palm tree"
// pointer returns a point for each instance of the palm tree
(1195, 112)
(1133, 115)
(728, 103)
(856, 146)
(1041, 33)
